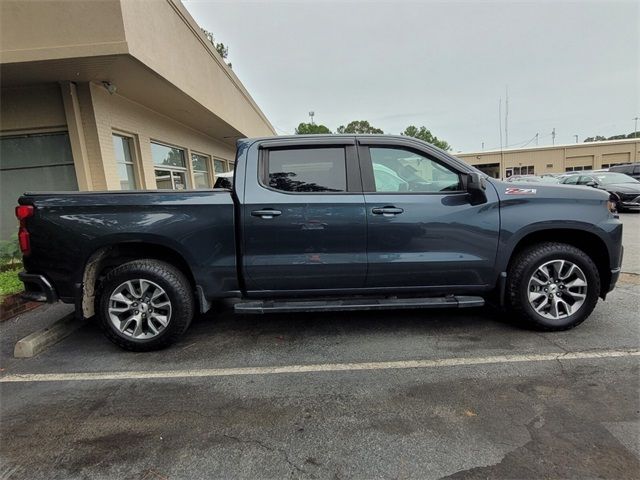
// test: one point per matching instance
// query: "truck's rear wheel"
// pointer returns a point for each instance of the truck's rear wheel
(144, 305)
(553, 286)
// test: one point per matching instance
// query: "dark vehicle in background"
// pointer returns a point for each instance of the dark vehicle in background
(631, 169)
(624, 190)
(322, 223)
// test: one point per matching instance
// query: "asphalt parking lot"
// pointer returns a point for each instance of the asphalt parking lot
(406, 394)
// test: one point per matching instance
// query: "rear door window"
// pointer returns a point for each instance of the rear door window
(306, 170)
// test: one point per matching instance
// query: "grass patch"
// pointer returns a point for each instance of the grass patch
(9, 282)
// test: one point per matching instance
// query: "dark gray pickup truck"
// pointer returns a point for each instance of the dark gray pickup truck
(322, 223)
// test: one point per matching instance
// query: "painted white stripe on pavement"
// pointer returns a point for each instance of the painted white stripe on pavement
(315, 368)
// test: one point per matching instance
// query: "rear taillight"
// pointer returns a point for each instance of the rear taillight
(22, 213)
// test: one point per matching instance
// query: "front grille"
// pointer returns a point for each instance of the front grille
(630, 197)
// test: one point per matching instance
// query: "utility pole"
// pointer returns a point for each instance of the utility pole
(506, 118)
(635, 128)
(576, 138)
(311, 114)
(502, 171)
(500, 120)
(553, 136)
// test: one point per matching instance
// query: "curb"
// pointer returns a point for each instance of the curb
(40, 340)
(13, 305)
(628, 277)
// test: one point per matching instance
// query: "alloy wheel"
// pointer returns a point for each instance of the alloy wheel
(139, 309)
(557, 289)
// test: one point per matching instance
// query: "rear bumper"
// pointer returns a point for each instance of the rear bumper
(38, 287)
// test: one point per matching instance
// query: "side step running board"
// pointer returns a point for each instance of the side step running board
(281, 306)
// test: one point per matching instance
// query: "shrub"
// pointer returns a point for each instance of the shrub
(9, 282)
(10, 250)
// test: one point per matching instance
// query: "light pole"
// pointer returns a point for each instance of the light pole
(576, 138)
(635, 128)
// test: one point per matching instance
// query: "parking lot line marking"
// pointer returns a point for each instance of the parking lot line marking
(315, 368)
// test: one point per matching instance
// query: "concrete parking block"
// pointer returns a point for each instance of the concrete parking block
(42, 339)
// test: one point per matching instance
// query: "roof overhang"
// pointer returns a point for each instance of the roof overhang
(132, 79)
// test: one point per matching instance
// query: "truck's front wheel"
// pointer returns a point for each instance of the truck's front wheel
(144, 305)
(553, 286)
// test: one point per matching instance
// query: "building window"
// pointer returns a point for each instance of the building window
(220, 166)
(170, 167)
(579, 168)
(31, 163)
(527, 170)
(123, 150)
(200, 164)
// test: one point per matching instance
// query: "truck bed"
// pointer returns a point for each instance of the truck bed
(68, 228)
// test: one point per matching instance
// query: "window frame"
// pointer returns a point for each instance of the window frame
(368, 176)
(210, 173)
(352, 170)
(218, 159)
(133, 150)
(186, 169)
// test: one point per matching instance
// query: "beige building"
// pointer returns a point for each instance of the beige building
(112, 95)
(555, 159)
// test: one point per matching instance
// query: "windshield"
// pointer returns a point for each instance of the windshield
(608, 178)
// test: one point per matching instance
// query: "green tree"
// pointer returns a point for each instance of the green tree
(311, 128)
(359, 126)
(220, 47)
(600, 138)
(423, 133)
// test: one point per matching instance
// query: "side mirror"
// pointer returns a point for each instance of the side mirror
(591, 184)
(475, 186)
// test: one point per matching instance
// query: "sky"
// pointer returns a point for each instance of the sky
(572, 66)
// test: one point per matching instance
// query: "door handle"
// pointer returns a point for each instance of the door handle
(388, 211)
(267, 213)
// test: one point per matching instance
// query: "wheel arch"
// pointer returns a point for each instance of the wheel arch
(587, 241)
(105, 258)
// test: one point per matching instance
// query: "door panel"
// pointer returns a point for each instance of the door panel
(300, 231)
(422, 229)
(437, 240)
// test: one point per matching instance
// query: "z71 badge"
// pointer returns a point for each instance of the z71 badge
(520, 191)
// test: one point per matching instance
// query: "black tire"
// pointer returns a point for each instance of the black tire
(521, 270)
(171, 280)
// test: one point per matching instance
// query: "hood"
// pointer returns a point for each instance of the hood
(622, 187)
(539, 190)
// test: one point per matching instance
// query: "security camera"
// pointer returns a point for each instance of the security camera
(111, 88)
